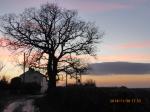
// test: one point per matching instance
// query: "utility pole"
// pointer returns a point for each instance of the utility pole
(66, 76)
(66, 80)
(24, 66)
(24, 63)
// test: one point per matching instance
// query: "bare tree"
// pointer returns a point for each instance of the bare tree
(75, 67)
(50, 31)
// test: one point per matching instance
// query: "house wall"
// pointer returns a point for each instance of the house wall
(44, 85)
(30, 77)
(34, 77)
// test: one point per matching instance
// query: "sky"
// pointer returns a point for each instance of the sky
(125, 23)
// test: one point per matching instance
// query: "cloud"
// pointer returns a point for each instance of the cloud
(102, 5)
(138, 1)
(119, 68)
(97, 6)
(81, 5)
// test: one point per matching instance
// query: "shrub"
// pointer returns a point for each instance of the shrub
(4, 83)
(87, 83)
(90, 83)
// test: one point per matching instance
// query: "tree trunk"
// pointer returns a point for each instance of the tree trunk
(52, 72)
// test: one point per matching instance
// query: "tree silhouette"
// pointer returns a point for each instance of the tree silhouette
(75, 68)
(52, 32)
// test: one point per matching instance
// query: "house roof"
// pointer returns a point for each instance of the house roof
(30, 71)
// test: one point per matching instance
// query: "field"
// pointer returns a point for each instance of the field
(94, 99)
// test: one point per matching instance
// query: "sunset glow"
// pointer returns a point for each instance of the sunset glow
(131, 81)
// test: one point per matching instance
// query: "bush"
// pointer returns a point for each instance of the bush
(90, 83)
(4, 83)
(87, 83)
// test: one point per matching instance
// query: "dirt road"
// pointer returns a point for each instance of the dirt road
(23, 105)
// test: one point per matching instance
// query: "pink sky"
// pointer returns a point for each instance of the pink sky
(130, 45)
(99, 6)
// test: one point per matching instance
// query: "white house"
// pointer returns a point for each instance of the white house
(35, 76)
